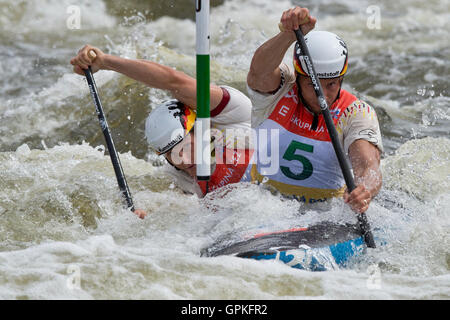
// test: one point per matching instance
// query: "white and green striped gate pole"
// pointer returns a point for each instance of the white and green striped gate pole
(202, 125)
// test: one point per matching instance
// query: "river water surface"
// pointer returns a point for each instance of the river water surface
(63, 231)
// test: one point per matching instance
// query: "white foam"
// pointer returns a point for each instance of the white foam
(51, 16)
(61, 211)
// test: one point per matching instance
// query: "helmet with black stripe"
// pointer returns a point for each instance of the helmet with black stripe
(168, 124)
(328, 52)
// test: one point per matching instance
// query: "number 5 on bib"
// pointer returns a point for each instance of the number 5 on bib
(291, 155)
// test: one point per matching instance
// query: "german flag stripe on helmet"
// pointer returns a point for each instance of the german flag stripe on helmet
(344, 69)
(188, 119)
(298, 67)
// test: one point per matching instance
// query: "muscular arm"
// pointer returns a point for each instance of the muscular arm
(365, 158)
(264, 74)
(182, 86)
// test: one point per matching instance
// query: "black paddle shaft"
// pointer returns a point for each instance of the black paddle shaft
(344, 164)
(109, 141)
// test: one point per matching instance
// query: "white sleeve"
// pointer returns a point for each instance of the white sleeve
(231, 122)
(359, 121)
(264, 103)
(237, 111)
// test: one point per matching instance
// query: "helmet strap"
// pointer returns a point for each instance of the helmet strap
(172, 164)
(340, 87)
(315, 121)
(299, 90)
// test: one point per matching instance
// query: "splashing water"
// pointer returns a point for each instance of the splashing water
(64, 233)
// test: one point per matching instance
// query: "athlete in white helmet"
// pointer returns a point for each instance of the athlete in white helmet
(284, 99)
(170, 132)
(169, 127)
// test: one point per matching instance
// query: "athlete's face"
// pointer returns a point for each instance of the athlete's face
(182, 155)
(330, 89)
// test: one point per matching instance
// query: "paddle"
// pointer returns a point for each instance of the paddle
(345, 166)
(109, 141)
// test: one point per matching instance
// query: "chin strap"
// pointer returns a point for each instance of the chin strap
(315, 121)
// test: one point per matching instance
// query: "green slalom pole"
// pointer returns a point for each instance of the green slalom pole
(202, 124)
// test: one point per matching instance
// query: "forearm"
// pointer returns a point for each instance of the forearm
(370, 177)
(264, 74)
(155, 75)
(152, 74)
(365, 159)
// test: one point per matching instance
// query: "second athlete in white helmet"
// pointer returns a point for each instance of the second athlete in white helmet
(169, 127)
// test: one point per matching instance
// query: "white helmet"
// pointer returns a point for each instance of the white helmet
(168, 124)
(328, 52)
